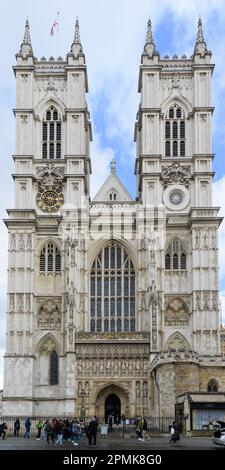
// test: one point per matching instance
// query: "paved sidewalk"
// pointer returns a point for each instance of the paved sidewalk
(155, 443)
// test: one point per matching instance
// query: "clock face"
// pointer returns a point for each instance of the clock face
(50, 200)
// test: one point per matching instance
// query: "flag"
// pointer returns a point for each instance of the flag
(54, 24)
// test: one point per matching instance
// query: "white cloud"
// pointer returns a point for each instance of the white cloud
(100, 160)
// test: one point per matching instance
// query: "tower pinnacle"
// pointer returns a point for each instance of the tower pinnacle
(149, 36)
(26, 47)
(200, 44)
(77, 33)
(149, 44)
(76, 47)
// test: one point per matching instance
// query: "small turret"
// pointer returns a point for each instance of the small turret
(150, 45)
(76, 48)
(26, 47)
(200, 44)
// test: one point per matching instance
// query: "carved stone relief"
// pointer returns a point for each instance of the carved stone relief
(49, 315)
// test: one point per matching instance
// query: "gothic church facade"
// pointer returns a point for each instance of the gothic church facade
(113, 303)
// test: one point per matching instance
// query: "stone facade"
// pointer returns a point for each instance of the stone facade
(111, 297)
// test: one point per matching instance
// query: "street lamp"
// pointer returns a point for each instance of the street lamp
(82, 410)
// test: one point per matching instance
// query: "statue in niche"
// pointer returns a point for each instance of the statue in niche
(152, 295)
(145, 389)
(143, 243)
(138, 389)
(197, 239)
(213, 240)
(198, 301)
(206, 240)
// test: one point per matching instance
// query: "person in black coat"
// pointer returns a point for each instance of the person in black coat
(92, 432)
(16, 428)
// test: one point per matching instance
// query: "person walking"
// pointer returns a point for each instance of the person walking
(59, 433)
(16, 428)
(145, 434)
(49, 431)
(110, 423)
(39, 426)
(140, 429)
(3, 428)
(27, 425)
(92, 432)
(174, 433)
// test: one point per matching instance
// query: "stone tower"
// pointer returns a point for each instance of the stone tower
(52, 168)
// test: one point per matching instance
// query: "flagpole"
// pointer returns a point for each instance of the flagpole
(57, 36)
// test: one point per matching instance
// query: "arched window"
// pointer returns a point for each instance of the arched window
(212, 386)
(175, 253)
(112, 195)
(54, 366)
(112, 290)
(175, 132)
(50, 259)
(51, 134)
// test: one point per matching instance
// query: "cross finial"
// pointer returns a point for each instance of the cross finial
(113, 166)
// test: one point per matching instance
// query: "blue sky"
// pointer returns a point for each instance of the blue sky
(113, 35)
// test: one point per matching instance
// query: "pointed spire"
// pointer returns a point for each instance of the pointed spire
(77, 33)
(113, 166)
(26, 39)
(200, 37)
(200, 44)
(149, 36)
(149, 44)
(26, 47)
(76, 47)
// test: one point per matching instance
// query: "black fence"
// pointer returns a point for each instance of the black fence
(128, 426)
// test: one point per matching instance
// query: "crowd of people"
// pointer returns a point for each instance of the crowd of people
(58, 430)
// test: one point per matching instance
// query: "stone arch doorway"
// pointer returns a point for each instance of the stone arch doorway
(112, 407)
(109, 397)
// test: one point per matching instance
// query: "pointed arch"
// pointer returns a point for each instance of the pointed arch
(112, 290)
(177, 341)
(53, 344)
(175, 255)
(179, 100)
(46, 102)
(212, 386)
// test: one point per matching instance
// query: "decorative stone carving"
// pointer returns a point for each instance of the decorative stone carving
(21, 243)
(49, 315)
(20, 304)
(13, 242)
(197, 239)
(177, 342)
(176, 313)
(176, 173)
(29, 242)
(206, 305)
(48, 346)
(49, 174)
